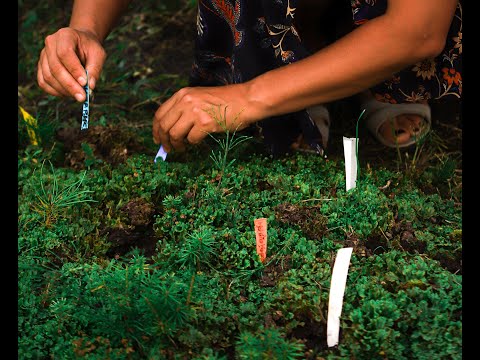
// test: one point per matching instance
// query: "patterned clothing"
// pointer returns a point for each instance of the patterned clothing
(241, 39)
(431, 79)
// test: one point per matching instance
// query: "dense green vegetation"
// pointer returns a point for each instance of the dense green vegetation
(123, 258)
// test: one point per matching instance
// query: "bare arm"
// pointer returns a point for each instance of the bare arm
(97, 16)
(408, 32)
(71, 50)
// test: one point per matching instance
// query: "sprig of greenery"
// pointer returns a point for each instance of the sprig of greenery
(228, 142)
(52, 201)
(356, 144)
(199, 246)
(269, 344)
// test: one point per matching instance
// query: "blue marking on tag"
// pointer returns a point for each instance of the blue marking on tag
(86, 106)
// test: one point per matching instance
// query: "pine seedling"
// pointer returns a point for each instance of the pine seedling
(199, 247)
(165, 302)
(54, 200)
(269, 344)
(227, 143)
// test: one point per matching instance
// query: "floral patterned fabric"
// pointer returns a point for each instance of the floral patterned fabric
(431, 79)
(241, 39)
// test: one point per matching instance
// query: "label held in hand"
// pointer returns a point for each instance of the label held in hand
(86, 106)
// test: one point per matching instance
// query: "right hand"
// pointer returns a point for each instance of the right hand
(60, 71)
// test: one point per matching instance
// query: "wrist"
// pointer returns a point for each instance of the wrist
(90, 31)
(259, 102)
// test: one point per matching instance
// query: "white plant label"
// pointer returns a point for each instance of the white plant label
(335, 297)
(349, 151)
(161, 154)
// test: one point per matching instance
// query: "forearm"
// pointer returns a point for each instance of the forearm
(97, 16)
(356, 62)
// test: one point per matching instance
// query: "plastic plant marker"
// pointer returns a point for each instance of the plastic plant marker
(161, 154)
(335, 298)
(86, 106)
(31, 126)
(261, 237)
(349, 151)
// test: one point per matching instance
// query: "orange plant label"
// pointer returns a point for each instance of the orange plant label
(261, 236)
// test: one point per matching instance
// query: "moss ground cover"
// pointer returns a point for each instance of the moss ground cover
(123, 258)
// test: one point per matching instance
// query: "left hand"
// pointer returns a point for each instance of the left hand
(187, 114)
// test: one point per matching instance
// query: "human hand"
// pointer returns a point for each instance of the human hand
(60, 71)
(194, 112)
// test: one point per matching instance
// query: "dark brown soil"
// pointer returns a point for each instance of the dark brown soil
(125, 240)
(312, 334)
(110, 144)
(308, 218)
(274, 271)
(139, 211)
(138, 232)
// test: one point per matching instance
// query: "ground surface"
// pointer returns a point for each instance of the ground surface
(86, 285)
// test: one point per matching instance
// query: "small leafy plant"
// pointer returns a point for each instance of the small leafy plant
(269, 344)
(52, 201)
(199, 246)
(227, 143)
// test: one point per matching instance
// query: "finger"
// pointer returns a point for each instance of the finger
(61, 74)
(181, 95)
(156, 127)
(42, 83)
(199, 131)
(179, 132)
(67, 54)
(94, 63)
(163, 121)
(196, 135)
(164, 126)
(50, 79)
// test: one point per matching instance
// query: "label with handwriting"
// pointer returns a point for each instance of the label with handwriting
(261, 237)
(86, 106)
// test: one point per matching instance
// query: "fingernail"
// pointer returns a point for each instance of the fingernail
(79, 97)
(91, 83)
(81, 80)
